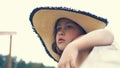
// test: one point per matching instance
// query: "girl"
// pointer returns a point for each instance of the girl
(69, 35)
(74, 45)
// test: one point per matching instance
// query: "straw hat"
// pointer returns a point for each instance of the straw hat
(43, 20)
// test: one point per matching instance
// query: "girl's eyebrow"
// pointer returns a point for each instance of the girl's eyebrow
(70, 23)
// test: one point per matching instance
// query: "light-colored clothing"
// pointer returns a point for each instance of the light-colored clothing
(103, 57)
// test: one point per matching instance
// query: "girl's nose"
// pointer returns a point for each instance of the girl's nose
(62, 32)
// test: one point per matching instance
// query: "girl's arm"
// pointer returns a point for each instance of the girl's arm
(91, 39)
(94, 38)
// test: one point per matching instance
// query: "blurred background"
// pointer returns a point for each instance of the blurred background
(27, 50)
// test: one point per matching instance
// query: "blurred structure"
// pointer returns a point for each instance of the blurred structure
(9, 56)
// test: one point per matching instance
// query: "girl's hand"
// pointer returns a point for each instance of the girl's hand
(69, 57)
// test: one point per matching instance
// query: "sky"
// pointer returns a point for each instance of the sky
(14, 16)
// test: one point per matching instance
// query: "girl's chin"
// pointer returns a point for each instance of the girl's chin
(62, 46)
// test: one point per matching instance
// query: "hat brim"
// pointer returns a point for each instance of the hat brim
(43, 20)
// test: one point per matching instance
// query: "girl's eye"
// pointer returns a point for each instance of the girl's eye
(58, 29)
(69, 27)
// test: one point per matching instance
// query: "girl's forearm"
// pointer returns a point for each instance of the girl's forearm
(97, 37)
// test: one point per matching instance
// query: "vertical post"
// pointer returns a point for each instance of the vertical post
(9, 56)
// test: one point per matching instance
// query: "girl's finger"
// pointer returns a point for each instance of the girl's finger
(61, 65)
(73, 64)
(68, 65)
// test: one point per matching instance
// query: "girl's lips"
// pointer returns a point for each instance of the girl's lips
(60, 40)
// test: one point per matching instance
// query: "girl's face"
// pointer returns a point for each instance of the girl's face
(67, 31)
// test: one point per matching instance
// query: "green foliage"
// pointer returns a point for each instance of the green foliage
(37, 65)
(3, 63)
(20, 64)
